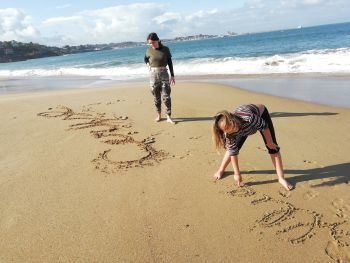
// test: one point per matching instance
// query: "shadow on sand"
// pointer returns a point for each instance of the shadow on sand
(273, 115)
(179, 119)
(329, 175)
(300, 114)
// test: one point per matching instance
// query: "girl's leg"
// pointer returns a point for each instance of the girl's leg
(275, 154)
(266, 117)
(277, 163)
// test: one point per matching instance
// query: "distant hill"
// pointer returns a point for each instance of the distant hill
(11, 51)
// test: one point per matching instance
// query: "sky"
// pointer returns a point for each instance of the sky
(75, 22)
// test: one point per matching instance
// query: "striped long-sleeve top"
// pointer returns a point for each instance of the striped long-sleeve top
(252, 122)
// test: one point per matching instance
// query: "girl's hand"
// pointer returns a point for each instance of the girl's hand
(218, 175)
(172, 80)
(238, 179)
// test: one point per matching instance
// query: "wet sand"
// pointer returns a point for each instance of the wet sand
(326, 89)
(88, 176)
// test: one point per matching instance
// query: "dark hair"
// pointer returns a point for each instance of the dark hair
(153, 36)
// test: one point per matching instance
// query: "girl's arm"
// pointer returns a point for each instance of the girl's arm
(237, 173)
(234, 161)
(225, 161)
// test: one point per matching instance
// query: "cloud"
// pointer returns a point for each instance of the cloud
(61, 20)
(16, 25)
(201, 14)
(111, 24)
(63, 6)
(168, 18)
(134, 21)
(127, 22)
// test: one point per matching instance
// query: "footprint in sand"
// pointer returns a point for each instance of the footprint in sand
(129, 153)
(339, 248)
(340, 207)
(311, 194)
(336, 253)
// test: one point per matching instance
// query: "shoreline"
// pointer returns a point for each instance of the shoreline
(324, 89)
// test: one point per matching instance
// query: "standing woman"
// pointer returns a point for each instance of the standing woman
(230, 130)
(158, 57)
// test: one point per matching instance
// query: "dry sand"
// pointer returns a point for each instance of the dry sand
(87, 176)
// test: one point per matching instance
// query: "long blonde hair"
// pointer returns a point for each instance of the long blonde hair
(224, 120)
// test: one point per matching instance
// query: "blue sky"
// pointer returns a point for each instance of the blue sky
(77, 22)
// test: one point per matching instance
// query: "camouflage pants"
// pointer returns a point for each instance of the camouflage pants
(160, 88)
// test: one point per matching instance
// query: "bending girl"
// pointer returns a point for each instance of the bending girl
(230, 130)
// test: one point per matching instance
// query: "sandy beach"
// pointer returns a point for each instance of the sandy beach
(86, 175)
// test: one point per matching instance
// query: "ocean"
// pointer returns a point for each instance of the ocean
(310, 51)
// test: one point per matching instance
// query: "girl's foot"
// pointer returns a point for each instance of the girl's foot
(285, 184)
(158, 118)
(168, 119)
(238, 179)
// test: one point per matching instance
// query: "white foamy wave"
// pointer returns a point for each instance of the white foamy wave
(126, 72)
(312, 61)
(318, 61)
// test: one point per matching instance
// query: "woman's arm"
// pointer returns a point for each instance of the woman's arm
(171, 69)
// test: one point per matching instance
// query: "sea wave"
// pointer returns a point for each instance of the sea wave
(311, 61)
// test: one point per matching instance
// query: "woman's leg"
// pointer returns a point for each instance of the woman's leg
(156, 89)
(166, 91)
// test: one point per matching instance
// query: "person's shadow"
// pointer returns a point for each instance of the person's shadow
(300, 114)
(179, 119)
(329, 175)
(272, 114)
